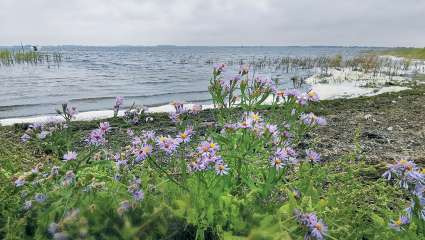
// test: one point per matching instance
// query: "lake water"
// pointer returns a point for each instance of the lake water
(91, 77)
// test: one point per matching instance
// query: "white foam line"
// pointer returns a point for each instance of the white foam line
(91, 115)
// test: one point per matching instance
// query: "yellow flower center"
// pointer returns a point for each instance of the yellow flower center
(183, 135)
(318, 226)
(212, 145)
(221, 167)
(312, 93)
(277, 161)
(398, 222)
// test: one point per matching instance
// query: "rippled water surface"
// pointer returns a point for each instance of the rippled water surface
(91, 77)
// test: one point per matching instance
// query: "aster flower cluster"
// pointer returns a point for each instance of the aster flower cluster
(97, 136)
(135, 189)
(282, 157)
(179, 110)
(135, 114)
(312, 120)
(301, 98)
(411, 178)
(42, 130)
(206, 158)
(316, 228)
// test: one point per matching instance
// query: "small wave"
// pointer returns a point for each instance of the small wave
(136, 96)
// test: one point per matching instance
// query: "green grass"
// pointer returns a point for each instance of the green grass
(412, 53)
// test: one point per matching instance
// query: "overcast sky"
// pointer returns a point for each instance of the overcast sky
(213, 22)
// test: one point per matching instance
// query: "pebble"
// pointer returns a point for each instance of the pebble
(390, 128)
(367, 116)
(394, 101)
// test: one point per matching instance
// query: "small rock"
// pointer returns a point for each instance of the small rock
(390, 128)
(394, 101)
(367, 116)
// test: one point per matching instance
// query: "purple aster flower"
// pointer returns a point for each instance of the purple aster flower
(273, 130)
(53, 228)
(71, 112)
(104, 127)
(27, 205)
(40, 198)
(312, 120)
(71, 155)
(43, 134)
(208, 147)
(312, 96)
(138, 195)
(277, 163)
(221, 168)
(219, 68)
(184, 137)
(149, 135)
(143, 152)
(124, 206)
(119, 101)
(174, 117)
(25, 138)
(178, 106)
(130, 132)
(246, 123)
(167, 144)
(20, 181)
(96, 137)
(399, 223)
(318, 229)
(407, 173)
(312, 156)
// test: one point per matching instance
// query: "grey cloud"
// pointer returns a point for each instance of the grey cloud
(213, 22)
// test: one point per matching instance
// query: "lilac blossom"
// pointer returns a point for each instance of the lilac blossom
(70, 155)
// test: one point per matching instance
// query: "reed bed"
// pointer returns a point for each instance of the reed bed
(9, 57)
